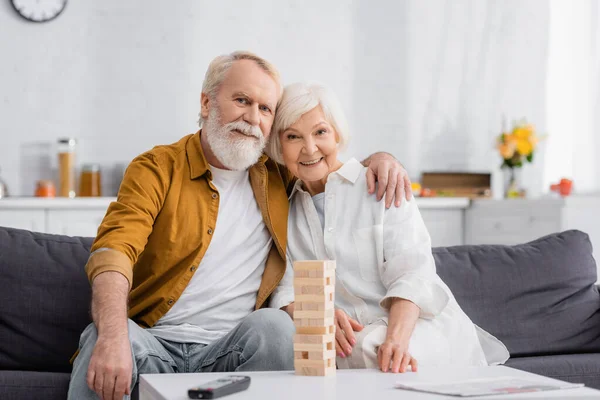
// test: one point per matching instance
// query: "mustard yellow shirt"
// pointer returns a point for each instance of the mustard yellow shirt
(161, 224)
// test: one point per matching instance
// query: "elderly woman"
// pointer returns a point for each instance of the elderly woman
(392, 309)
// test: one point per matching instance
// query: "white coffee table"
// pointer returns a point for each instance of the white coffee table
(346, 385)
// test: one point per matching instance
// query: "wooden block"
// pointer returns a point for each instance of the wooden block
(325, 306)
(300, 314)
(313, 339)
(325, 281)
(308, 306)
(302, 273)
(314, 265)
(321, 355)
(315, 273)
(301, 355)
(314, 330)
(312, 371)
(323, 290)
(323, 298)
(311, 347)
(314, 363)
(314, 321)
(320, 321)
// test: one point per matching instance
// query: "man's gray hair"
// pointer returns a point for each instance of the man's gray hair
(220, 65)
(298, 99)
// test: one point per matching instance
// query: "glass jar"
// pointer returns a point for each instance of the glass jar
(66, 167)
(90, 183)
(45, 188)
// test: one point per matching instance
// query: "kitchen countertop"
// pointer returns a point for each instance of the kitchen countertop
(103, 202)
(55, 202)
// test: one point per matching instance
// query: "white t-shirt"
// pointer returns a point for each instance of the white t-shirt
(223, 289)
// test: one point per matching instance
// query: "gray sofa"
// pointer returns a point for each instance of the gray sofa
(539, 298)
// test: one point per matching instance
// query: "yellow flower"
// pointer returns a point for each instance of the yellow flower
(507, 149)
(523, 132)
(524, 147)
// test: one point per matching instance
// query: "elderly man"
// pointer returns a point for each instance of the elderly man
(189, 254)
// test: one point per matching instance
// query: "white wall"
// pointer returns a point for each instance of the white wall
(124, 76)
(434, 79)
(426, 81)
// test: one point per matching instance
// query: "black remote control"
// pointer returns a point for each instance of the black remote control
(220, 387)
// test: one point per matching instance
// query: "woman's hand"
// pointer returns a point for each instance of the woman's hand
(344, 333)
(395, 352)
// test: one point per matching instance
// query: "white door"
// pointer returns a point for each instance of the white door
(75, 222)
(31, 220)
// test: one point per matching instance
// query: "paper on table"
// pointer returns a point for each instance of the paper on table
(487, 386)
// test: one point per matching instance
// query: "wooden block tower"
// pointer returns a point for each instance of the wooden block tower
(314, 342)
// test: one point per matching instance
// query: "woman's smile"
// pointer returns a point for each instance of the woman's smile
(311, 163)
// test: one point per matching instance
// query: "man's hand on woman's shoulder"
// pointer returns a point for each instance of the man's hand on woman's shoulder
(391, 176)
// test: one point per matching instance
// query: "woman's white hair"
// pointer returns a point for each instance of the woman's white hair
(220, 65)
(298, 99)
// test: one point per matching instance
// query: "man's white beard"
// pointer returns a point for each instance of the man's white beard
(234, 151)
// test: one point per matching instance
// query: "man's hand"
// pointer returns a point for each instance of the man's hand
(110, 370)
(395, 352)
(392, 178)
(111, 366)
(344, 333)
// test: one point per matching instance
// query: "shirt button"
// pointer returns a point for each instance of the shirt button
(193, 269)
(214, 195)
(170, 302)
(330, 230)
(210, 231)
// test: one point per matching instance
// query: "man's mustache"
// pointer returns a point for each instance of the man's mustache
(245, 128)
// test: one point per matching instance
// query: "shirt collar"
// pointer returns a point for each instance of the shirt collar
(350, 171)
(195, 156)
(197, 160)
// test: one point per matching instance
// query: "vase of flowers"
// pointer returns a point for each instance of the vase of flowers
(516, 147)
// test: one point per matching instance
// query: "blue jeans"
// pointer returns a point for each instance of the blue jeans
(263, 341)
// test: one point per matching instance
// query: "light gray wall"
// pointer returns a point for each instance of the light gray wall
(426, 81)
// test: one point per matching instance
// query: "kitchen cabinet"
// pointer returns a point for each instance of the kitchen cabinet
(512, 221)
(81, 216)
(31, 220)
(73, 217)
(450, 221)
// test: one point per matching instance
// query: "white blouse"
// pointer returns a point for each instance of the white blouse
(380, 253)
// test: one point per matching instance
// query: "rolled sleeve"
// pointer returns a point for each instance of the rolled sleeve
(409, 268)
(105, 260)
(429, 296)
(123, 233)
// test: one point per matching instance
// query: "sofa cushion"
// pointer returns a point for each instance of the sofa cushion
(26, 385)
(539, 298)
(44, 300)
(576, 368)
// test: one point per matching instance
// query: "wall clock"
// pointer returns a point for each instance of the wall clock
(39, 10)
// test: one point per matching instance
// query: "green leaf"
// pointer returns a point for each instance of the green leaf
(530, 157)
